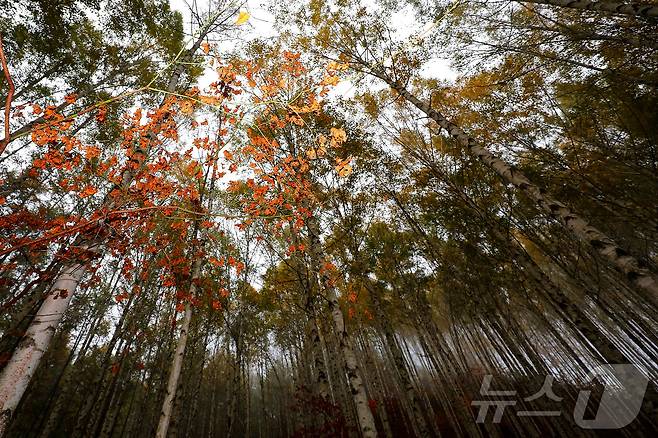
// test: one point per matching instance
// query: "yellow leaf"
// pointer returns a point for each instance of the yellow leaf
(345, 170)
(330, 80)
(343, 167)
(206, 48)
(186, 107)
(313, 153)
(338, 136)
(336, 66)
(209, 100)
(243, 17)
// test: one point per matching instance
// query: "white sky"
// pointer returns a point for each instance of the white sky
(260, 22)
(261, 25)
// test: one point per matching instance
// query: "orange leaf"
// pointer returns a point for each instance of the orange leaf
(71, 98)
(88, 191)
(100, 115)
(92, 152)
(186, 106)
(216, 262)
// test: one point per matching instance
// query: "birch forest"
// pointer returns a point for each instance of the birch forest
(328, 218)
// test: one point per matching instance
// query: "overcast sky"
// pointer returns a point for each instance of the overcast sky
(261, 24)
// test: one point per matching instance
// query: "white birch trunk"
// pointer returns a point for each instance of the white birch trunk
(17, 374)
(174, 375)
(20, 369)
(177, 364)
(364, 415)
(575, 223)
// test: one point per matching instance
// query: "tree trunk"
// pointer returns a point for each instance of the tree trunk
(48, 423)
(177, 364)
(605, 246)
(632, 9)
(87, 411)
(313, 338)
(365, 417)
(378, 387)
(410, 392)
(25, 360)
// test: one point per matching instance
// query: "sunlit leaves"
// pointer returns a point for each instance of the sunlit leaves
(186, 106)
(343, 167)
(243, 17)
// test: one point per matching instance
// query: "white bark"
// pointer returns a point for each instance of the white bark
(365, 417)
(624, 262)
(25, 360)
(20, 369)
(174, 375)
(177, 364)
(358, 390)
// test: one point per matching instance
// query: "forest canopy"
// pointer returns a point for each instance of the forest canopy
(335, 218)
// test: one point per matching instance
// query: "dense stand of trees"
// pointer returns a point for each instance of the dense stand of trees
(324, 233)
